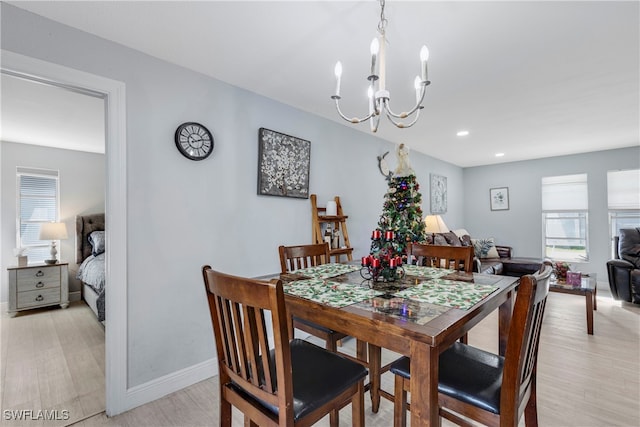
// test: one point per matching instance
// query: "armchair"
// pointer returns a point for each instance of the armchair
(624, 270)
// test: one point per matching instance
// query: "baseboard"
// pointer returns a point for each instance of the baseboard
(75, 296)
(160, 387)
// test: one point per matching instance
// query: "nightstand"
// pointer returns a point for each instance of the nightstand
(38, 285)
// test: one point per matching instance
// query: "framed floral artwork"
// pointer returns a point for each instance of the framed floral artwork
(438, 194)
(283, 165)
(499, 198)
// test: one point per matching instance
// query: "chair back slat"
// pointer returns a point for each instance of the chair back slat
(303, 256)
(524, 337)
(452, 257)
(239, 309)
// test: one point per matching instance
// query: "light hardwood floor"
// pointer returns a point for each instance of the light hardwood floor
(49, 361)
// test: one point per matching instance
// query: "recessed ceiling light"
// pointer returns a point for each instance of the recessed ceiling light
(499, 154)
(463, 133)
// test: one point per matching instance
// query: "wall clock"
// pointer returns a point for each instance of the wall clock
(194, 141)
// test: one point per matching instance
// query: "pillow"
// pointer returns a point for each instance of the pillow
(452, 239)
(96, 239)
(439, 240)
(485, 248)
(466, 240)
(461, 232)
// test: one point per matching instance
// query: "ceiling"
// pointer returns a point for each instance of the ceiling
(527, 79)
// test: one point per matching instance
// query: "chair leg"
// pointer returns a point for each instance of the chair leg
(334, 418)
(531, 410)
(399, 403)
(357, 407)
(225, 412)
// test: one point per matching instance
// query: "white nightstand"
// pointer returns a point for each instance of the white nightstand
(38, 285)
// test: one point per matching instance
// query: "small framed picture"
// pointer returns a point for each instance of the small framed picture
(499, 198)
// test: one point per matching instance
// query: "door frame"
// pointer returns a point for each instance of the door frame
(113, 93)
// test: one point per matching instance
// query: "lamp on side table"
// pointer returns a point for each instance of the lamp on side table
(53, 231)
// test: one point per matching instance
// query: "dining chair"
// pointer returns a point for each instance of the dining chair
(485, 387)
(303, 256)
(271, 380)
(452, 257)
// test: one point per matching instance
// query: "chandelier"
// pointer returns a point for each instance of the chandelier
(379, 96)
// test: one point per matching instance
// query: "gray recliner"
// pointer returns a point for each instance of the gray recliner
(624, 270)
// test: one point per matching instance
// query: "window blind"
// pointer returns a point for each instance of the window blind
(623, 189)
(37, 203)
(565, 193)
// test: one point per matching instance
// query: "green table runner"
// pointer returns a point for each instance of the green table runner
(325, 271)
(449, 293)
(428, 272)
(333, 294)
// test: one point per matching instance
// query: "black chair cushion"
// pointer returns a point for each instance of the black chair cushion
(467, 373)
(314, 325)
(318, 376)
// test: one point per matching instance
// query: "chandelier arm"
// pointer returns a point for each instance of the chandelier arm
(402, 125)
(353, 120)
(374, 121)
(418, 106)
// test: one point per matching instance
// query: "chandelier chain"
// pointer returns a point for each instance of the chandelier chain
(383, 21)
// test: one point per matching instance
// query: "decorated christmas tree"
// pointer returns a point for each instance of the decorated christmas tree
(402, 214)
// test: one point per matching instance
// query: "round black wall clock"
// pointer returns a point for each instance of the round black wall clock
(194, 141)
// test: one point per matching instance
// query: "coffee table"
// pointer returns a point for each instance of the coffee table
(588, 288)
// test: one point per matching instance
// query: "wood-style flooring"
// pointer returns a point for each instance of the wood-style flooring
(55, 359)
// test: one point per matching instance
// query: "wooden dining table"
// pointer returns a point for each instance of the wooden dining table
(419, 316)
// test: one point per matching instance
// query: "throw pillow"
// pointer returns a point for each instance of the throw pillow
(452, 239)
(96, 239)
(439, 240)
(463, 235)
(485, 248)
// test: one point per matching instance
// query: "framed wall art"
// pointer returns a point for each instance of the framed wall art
(283, 165)
(438, 194)
(499, 198)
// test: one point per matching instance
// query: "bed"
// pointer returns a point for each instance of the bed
(90, 255)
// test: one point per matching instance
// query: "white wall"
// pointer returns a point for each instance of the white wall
(82, 191)
(183, 214)
(521, 225)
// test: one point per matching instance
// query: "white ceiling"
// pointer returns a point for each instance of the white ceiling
(528, 79)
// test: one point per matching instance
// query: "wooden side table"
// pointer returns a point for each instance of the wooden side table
(588, 287)
(38, 285)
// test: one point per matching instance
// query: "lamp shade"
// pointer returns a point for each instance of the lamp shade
(53, 231)
(435, 224)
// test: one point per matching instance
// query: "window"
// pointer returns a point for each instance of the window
(623, 195)
(38, 196)
(565, 218)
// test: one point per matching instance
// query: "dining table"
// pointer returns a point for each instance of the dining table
(419, 314)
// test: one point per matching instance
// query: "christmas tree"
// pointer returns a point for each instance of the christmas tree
(401, 214)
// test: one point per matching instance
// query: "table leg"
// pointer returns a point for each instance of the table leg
(375, 365)
(424, 385)
(589, 297)
(504, 320)
(595, 293)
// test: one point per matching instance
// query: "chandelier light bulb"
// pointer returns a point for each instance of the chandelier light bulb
(424, 54)
(375, 46)
(338, 72)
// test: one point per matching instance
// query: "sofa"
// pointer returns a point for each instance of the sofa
(624, 269)
(489, 257)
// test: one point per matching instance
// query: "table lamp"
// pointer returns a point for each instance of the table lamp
(435, 224)
(53, 231)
